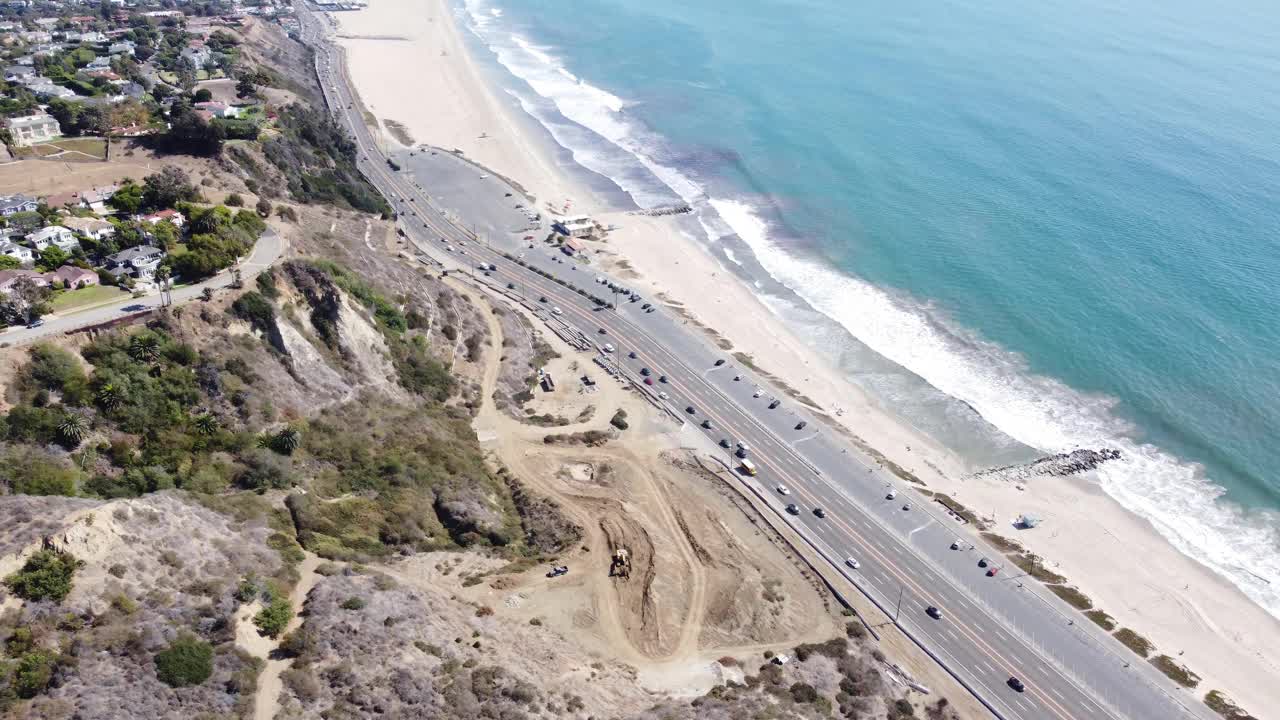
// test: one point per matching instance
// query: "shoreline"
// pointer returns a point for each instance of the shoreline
(1108, 552)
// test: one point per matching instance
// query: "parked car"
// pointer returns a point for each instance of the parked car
(557, 571)
(648, 381)
(556, 311)
(542, 299)
(602, 331)
(662, 378)
(891, 495)
(35, 323)
(774, 404)
(719, 362)
(800, 425)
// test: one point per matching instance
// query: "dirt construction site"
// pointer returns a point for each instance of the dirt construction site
(706, 576)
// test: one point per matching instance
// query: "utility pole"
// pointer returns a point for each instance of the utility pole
(898, 609)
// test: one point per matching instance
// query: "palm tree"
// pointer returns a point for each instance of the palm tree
(72, 429)
(287, 440)
(109, 397)
(144, 347)
(206, 424)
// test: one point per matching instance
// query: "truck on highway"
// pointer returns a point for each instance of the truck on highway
(748, 467)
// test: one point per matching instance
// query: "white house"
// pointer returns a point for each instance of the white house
(11, 204)
(90, 227)
(55, 235)
(172, 216)
(126, 47)
(140, 262)
(21, 253)
(96, 199)
(33, 129)
(199, 56)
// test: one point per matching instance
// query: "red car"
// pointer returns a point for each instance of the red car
(992, 572)
(648, 381)
(528, 237)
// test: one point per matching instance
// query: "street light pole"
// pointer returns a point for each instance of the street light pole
(898, 609)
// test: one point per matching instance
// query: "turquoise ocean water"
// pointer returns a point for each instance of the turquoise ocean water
(1026, 226)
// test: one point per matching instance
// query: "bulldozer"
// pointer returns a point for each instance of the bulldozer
(620, 564)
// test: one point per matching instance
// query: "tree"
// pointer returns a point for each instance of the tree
(26, 299)
(187, 661)
(128, 199)
(51, 258)
(109, 397)
(144, 348)
(9, 263)
(191, 133)
(245, 87)
(263, 207)
(202, 95)
(46, 575)
(168, 187)
(206, 424)
(234, 200)
(274, 618)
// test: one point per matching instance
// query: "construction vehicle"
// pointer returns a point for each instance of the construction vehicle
(620, 565)
(748, 467)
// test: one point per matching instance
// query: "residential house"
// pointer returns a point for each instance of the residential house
(82, 20)
(18, 73)
(45, 89)
(11, 204)
(72, 277)
(9, 277)
(172, 216)
(21, 253)
(92, 37)
(53, 235)
(96, 199)
(139, 262)
(33, 129)
(199, 55)
(89, 227)
(126, 47)
(101, 62)
(47, 23)
(133, 90)
(218, 109)
(36, 37)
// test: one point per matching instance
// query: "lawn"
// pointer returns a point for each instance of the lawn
(93, 146)
(70, 300)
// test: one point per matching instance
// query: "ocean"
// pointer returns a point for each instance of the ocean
(1025, 227)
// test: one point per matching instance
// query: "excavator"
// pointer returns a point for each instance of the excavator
(620, 564)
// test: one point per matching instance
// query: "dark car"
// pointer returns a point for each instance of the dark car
(706, 424)
(774, 404)
(648, 381)
(557, 571)
(644, 306)
(632, 354)
(690, 410)
(793, 509)
(1017, 685)
(662, 378)
(602, 331)
(542, 299)
(800, 425)
(820, 512)
(933, 612)
(645, 372)
(724, 442)
(719, 362)
(511, 286)
(493, 267)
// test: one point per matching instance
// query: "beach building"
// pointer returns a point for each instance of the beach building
(21, 253)
(53, 236)
(12, 204)
(73, 278)
(31, 129)
(575, 226)
(89, 227)
(572, 246)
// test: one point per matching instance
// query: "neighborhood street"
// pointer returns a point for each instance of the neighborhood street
(265, 252)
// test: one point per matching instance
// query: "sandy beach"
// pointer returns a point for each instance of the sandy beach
(411, 66)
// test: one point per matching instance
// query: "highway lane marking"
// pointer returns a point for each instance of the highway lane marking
(913, 532)
(1054, 690)
(661, 348)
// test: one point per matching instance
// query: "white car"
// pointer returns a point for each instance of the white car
(556, 311)
(852, 563)
(782, 490)
(664, 396)
(608, 347)
(756, 394)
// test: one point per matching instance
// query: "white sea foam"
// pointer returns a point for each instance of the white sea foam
(1038, 411)
(1175, 496)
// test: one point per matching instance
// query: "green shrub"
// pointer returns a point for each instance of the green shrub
(1103, 620)
(187, 661)
(1224, 706)
(353, 603)
(1134, 642)
(274, 618)
(1175, 671)
(46, 575)
(619, 419)
(32, 674)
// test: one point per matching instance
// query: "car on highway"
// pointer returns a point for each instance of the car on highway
(719, 362)
(983, 562)
(933, 612)
(891, 495)
(706, 424)
(1017, 684)
(645, 306)
(602, 331)
(542, 299)
(852, 563)
(774, 404)
(724, 443)
(955, 544)
(690, 410)
(662, 378)
(648, 381)
(757, 393)
(632, 354)
(800, 425)
(645, 372)
(608, 347)
(793, 509)
(783, 490)
(664, 396)
(820, 512)
(555, 310)
(511, 286)
(991, 572)
(906, 507)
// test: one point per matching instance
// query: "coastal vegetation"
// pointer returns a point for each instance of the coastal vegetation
(1224, 706)
(1134, 642)
(1176, 671)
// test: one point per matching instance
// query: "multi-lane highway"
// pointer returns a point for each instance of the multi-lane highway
(990, 629)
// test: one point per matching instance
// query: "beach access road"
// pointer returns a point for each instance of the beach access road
(265, 252)
(991, 628)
